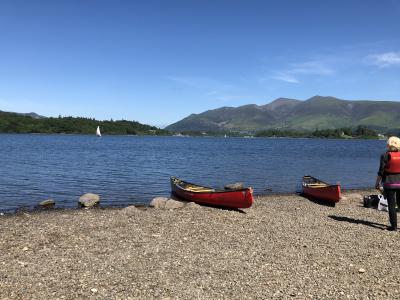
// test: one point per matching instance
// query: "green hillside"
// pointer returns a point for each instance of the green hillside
(290, 114)
(27, 123)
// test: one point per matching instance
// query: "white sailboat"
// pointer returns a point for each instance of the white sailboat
(98, 133)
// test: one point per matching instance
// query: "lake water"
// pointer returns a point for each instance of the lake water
(130, 169)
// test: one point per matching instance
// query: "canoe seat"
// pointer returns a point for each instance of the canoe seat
(198, 189)
(316, 184)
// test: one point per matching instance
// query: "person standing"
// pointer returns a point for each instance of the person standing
(389, 177)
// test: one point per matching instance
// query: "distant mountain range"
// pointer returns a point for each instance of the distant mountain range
(31, 114)
(290, 114)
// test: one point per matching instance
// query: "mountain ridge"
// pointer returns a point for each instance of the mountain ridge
(33, 115)
(317, 112)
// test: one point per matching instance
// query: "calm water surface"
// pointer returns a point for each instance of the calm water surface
(129, 169)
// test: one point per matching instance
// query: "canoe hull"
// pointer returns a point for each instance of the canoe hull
(242, 198)
(330, 193)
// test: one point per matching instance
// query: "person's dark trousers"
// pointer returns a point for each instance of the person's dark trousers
(393, 197)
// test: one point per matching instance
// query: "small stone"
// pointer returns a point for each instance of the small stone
(25, 249)
(158, 202)
(47, 203)
(89, 200)
(21, 263)
(361, 270)
(1, 214)
(93, 290)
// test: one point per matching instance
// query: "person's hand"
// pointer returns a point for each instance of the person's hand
(378, 183)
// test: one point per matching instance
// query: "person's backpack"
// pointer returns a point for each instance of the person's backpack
(371, 201)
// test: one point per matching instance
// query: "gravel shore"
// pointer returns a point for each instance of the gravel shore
(285, 246)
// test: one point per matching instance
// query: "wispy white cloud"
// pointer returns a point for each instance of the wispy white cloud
(285, 77)
(386, 59)
(310, 68)
(296, 70)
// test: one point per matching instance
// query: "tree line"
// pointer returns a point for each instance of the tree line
(357, 132)
(15, 123)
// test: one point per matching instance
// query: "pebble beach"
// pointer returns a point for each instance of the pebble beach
(284, 246)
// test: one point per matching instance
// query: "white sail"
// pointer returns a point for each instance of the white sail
(98, 131)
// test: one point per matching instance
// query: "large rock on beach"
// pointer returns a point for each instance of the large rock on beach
(47, 203)
(158, 202)
(174, 204)
(192, 205)
(89, 200)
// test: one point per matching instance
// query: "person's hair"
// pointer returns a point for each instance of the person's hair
(393, 144)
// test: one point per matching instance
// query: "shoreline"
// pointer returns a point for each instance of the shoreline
(36, 208)
(283, 246)
(193, 136)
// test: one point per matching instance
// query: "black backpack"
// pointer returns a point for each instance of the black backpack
(371, 201)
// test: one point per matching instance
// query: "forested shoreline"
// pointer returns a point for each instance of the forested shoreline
(362, 132)
(16, 123)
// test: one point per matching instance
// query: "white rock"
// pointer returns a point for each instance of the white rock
(93, 290)
(361, 270)
(89, 200)
(192, 205)
(158, 202)
(47, 203)
(173, 204)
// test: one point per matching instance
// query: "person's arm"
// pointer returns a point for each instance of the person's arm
(381, 171)
(378, 182)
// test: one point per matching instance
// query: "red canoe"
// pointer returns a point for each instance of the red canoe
(238, 198)
(318, 189)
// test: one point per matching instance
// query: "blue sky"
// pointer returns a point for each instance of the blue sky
(158, 61)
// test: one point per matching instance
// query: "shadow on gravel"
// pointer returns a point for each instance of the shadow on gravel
(318, 201)
(224, 208)
(357, 221)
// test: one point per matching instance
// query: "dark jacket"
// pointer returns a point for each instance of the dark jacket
(387, 178)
